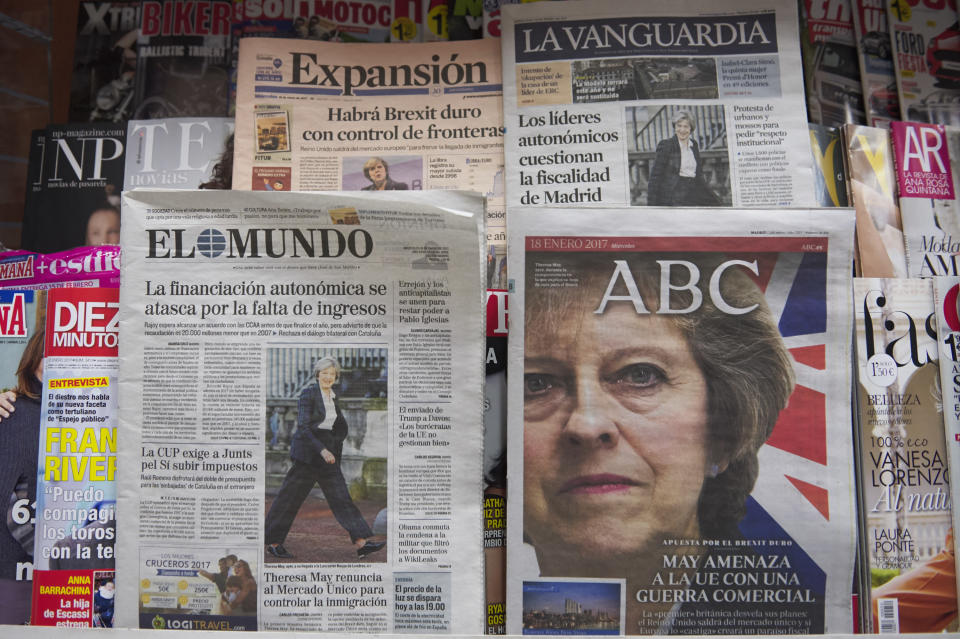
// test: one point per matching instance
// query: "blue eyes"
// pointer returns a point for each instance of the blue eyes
(538, 384)
(633, 378)
(638, 375)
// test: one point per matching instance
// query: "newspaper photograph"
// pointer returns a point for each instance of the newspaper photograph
(653, 489)
(680, 105)
(305, 419)
(327, 116)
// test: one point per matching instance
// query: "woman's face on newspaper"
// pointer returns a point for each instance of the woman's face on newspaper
(615, 421)
(378, 172)
(327, 377)
(682, 129)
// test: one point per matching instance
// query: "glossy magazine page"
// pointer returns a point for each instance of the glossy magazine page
(925, 41)
(903, 466)
(179, 153)
(874, 52)
(873, 190)
(76, 520)
(603, 100)
(945, 291)
(927, 185)
(681, 422)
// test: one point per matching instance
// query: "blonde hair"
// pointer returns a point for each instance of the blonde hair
(372, 162)
(683, 115)
(324, 363)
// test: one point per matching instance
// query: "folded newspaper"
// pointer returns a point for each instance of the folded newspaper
(681, 422)
(655, 104)
(301, 410)
(329, 116)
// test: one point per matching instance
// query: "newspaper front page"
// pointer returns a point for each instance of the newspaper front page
(926, 48)
(302, 410)
(75, 534)
(322, 116)
(874, 54)
(681, 422)
(905, 506)
(594, 94)
(945, 292)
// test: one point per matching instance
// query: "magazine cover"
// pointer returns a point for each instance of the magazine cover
(928, 185)
(946, 290)
(434, 27)
(21, 350)
(83, 267)
(179, 153)
(407, 21)
(465, 19)
(183, 59)
(874, 53)
(328, 116)
(829, 175)
(74, 181)
(905, 493)
(24, 277)
(654, 489)
(603, 102)
(926, 41)
(331, 20)
(73, 579)
(328, 20)
(830, 70)
(491, 16)
(495, 458)
(872, 188)
(104, 61)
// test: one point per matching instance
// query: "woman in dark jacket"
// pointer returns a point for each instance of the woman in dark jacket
(676, 178)
(376, 170)
(316, 450)
(19, 445)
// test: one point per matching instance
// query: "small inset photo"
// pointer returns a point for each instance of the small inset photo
(678, 155)
(104, 588)
(383, 173)
(653, 78)
(271, 178)
(272, 131)
(190, 587)
(572, 607)
(344, 215)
